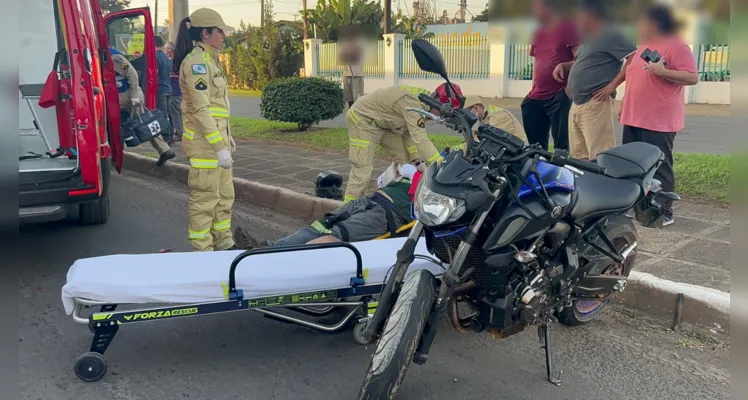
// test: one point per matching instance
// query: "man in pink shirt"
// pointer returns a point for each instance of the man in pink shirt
(547, 105)
(653, 108)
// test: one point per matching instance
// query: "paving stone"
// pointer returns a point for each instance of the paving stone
(706, 252)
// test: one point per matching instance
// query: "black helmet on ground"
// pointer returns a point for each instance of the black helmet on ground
(329, 185)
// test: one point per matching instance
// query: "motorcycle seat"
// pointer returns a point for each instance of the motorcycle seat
(597, 195)
(632, 160)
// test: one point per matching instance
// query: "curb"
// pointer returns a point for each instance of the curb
(287, 201)
(675, 302)
(704, 307)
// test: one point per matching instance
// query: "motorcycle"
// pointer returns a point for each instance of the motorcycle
(527, 237)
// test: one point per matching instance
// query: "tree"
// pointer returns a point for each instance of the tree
(110, 6)
(409, 26)
(482, 17)
(258, 56)
(329, 16)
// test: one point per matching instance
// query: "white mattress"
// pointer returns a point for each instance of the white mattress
(198, 277)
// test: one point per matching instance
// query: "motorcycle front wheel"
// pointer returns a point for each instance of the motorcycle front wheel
(400, 337)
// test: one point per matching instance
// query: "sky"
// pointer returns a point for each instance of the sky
(234, 11)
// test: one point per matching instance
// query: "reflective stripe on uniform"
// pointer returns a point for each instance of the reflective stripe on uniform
(203, 163)
(492, 109)
(348, 198)
(415, 91)
(319, 227)
(189, 134)
(412, 150)
(359, 143)
(219, 112)
(353, 116)
(213, 137)
(435, 157)
(222, 225)
(194, 235)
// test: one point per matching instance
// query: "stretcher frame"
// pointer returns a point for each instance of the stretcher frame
(105, 323)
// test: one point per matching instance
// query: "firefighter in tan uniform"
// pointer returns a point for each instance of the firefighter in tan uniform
(131, 97)
(207, 140)
(380, 118)
(499, 118)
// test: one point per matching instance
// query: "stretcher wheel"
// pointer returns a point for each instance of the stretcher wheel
(90, 367)
(358, 332)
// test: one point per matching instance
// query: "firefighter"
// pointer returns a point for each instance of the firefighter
(380, 118)
(207, 140)
(499, 118)
(131, 97)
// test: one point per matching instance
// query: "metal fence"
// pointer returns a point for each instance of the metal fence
(327, 61)
(520, 63)
(469, 58)
(465, 57)
(714, 62)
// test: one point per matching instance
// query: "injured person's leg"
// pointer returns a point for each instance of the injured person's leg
(244, 240)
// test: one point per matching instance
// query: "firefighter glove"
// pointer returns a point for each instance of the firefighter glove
(224, 158)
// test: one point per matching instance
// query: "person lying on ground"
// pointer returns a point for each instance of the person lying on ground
(365, 218)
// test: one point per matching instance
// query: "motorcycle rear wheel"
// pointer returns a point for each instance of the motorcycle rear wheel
(622, 233)
(401, 334)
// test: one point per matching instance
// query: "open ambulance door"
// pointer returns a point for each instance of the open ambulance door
(131, 33)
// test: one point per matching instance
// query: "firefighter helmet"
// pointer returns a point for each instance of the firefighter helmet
(329, 185)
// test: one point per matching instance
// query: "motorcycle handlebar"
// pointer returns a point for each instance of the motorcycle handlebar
(430, 101)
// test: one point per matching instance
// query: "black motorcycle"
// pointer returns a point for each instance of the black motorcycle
(527, 238)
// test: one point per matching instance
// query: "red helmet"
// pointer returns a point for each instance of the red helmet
(441, 94)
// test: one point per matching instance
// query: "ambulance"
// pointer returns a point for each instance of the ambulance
(69, 115)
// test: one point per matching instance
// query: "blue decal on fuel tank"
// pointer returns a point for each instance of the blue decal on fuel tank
(554, 179)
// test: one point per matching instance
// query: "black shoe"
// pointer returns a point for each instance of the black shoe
(232, 248)
(165, 157)
(245, 241)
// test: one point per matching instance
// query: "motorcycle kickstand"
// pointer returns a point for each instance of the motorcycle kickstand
(544, 334)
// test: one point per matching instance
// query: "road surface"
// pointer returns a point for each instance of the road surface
(242, 355)
(702, 134)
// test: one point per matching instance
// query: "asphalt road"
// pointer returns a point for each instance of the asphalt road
(242, 355)
(702, 134)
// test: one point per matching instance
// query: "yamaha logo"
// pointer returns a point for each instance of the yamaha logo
(556, 212)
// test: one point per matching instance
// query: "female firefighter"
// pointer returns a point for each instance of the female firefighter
(207, 140)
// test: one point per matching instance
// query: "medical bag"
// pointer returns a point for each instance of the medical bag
(145, 125)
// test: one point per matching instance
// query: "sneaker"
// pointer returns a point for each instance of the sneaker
(667, 221)
(169, 155)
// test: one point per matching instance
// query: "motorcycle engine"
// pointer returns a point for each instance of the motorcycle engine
(517, 294)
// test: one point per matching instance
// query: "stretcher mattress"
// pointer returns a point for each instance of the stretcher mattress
(197, 277)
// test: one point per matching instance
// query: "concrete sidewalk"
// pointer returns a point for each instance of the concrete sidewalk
(694, 250)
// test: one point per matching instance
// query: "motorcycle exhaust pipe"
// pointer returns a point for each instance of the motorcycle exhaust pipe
(452, 312)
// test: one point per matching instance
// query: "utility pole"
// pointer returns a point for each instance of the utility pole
(387, 16)
(306, 24)
(155, 16)
(262, 13)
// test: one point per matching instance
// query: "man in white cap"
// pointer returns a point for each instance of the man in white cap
(365, 218)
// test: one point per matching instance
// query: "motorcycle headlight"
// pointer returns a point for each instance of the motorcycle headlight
(434, 209)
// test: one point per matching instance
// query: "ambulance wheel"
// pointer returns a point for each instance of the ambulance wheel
(90, 367)
(358, 333)
(95, 212)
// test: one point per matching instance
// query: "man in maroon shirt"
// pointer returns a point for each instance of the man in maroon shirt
(547, 105)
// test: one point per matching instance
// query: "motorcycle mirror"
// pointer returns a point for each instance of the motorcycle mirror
(429, 58)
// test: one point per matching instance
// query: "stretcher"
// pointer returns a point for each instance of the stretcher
(311, 280)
